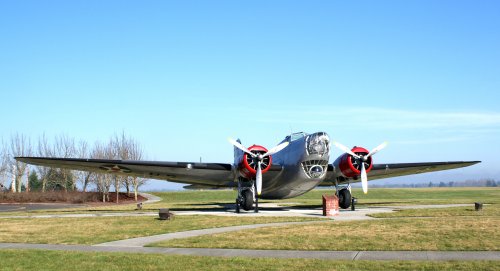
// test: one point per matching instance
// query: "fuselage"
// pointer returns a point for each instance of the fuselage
(304, 164)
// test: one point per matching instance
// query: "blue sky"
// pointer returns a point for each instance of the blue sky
(182, 76)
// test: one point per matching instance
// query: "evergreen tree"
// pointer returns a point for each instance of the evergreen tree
(35, 183)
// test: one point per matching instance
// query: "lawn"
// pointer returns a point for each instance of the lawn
(61, 260)
(439, 233)
(492, 210)
(94, 230)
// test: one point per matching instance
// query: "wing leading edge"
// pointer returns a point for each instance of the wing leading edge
(382, 171)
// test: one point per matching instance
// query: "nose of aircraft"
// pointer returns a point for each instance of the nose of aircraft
(318, 144)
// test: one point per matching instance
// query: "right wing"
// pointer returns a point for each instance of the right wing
(200, 175)
(382, 171)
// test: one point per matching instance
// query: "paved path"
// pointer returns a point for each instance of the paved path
(12, 207)
(151, 198)
(331, 255)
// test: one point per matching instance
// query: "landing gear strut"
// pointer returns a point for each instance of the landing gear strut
(256, 206)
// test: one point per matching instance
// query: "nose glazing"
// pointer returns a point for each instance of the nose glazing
(318, 144)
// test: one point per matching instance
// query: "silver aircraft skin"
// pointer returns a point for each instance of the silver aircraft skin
(304, 165)
(297, 165)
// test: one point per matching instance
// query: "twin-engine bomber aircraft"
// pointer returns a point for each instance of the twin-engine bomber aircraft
(297, 165)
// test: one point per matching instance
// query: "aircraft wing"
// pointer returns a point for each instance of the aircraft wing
(207, 174)
(381, 171)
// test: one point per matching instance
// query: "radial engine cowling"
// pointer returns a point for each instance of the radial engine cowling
(248, 164)
(349, 166)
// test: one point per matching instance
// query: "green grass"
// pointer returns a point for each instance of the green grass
(61, 260)
(405, 196)
(96, 230)
(439, 233)
(492, 210)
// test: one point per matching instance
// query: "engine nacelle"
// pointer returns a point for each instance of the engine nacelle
(349, 166)
(247, 165)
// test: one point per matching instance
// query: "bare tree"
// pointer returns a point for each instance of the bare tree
(4, 165)
(65, 147)
(98, 152)
(44, 150)
(84, 177)
(19, 146)
(136, 152)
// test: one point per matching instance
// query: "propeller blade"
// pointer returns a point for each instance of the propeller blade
(345, 149)
(241, 147)
(377, 149)
(258, 178)
(364, 178)
(276, 149)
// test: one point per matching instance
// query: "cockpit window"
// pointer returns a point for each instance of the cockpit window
(296, 136)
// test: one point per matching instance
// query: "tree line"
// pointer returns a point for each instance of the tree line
(18, 177)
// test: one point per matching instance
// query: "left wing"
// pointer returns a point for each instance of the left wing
(381, 171)
(209, 174)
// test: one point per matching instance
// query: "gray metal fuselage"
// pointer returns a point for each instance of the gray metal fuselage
(304, 165)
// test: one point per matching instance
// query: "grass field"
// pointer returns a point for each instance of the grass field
(447, 234)
(96, 230)
(492, 210)
(459, 228)
(59, 260)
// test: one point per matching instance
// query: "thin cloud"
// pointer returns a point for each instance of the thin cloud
(385, 119)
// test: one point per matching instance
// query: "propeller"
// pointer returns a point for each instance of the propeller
(258, 157)
(364, 177)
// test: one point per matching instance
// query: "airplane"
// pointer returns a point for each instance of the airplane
(298, 164)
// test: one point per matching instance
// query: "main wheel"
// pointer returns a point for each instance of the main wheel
(247, 202)
(237, 207)
(344, 198)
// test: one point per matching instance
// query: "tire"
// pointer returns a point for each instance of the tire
(344, 198)
(237, 207)
(247, 202)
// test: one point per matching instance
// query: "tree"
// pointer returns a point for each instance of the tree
(102, 181)
(34, 183)
(19, 146)
(65, 147)
(44, 150)
(84, 177)
(491, 183)
(4, 165)
(136, 153)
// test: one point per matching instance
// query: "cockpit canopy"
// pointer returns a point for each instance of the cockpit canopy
(295, 136)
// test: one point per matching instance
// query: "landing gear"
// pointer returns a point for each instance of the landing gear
(256, 207)
(344, 198)
(246, 196)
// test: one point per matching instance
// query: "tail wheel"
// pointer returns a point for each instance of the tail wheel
(247, 202)
(344, 198)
